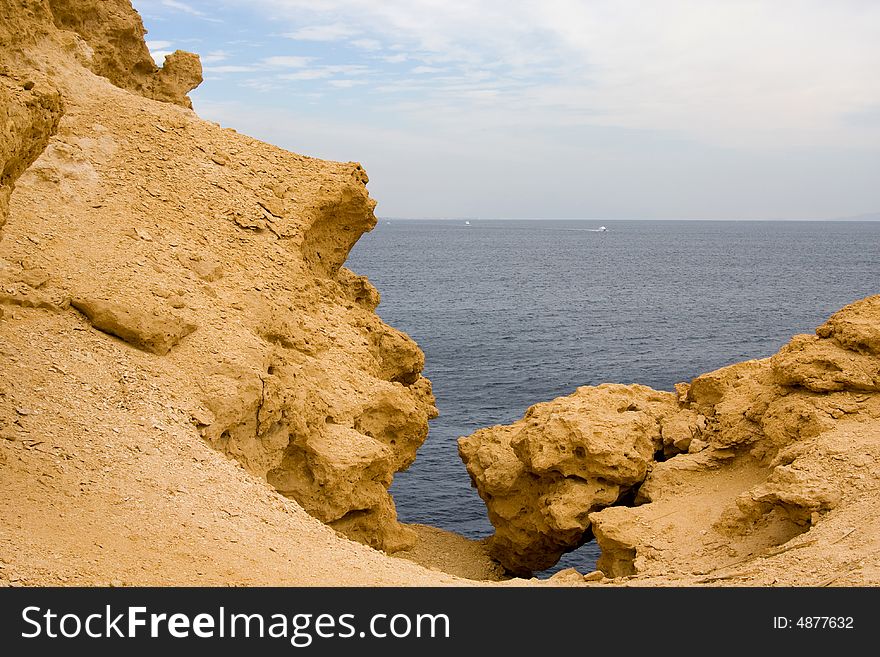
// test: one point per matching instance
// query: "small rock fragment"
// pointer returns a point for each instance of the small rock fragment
(273, 206)
(569, 575)
(697, 445)
(154, 331)
(206, 269)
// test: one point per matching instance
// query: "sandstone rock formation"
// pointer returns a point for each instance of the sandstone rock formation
(542, 476)
(114, 47)
(737, 463)
(218, 257)
(180, 344)
(28, 117)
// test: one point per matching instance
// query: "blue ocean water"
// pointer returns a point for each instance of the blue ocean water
(510, 313)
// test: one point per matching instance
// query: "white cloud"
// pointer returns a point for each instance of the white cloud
(322, 72)
(214, 57)
(623, 108)
(367, 44)
(420, 70)
(164, 10)
(262, 85)
(230, 68)
(395, 59)
(731, 73)
(331, 32)
(158, 45)
(183, 7)
(159, 56)
(159, 50)
(308, 74)
(345, 83)
(186, 8)
(287, 61)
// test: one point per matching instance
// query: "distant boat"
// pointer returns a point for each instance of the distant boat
(602, 229)
(467, 223)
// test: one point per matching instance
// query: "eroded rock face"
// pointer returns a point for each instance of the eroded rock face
(738, 458)
(116, 50)
(542, 476)
(29, 116)
(219, 255)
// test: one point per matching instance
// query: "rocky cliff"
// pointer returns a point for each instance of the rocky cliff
(160, 274)
(707, 484)
(187, 369)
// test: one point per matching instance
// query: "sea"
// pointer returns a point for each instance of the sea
(513, 312)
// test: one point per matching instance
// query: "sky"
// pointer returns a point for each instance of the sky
(604, 109)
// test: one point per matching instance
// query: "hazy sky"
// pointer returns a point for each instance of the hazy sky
(598, 109)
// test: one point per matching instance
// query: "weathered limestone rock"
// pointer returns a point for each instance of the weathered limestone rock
(746, 455)
(29, 116)
(855, 327)
(181, 72)
(155, 222)
(117, 50)
(156, 330)
(823, 365)
(797, 492)
(542, 476)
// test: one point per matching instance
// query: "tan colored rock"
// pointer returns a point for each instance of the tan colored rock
(797, 492)
(855, 327)
(334, 470)
(542, 476)
(273, 205)
(117, 50)
(753, 456)
(823, 365)
(733, 399)
(377, 527)
(206, 268)
(358, 289)
(28, 118)
(293, 372)
(567, 576)
(619, 534)
(28, 299)
(181, 72)
(290, 372)
(609, 432)
(156, 330)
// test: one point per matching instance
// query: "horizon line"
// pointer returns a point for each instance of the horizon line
(867, 219)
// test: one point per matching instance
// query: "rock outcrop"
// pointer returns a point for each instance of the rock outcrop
(204, 259)
(542, 476)
(29, 116)
(115, 48)
(106, 36)
(732, 466)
